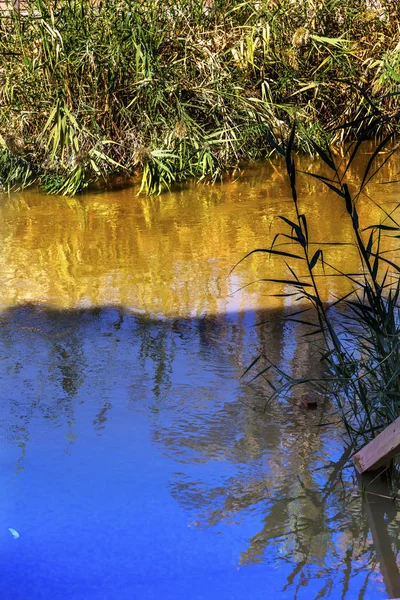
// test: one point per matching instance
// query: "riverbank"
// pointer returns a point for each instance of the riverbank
(182, 90)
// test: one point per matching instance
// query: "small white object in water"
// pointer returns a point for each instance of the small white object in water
(14, 533)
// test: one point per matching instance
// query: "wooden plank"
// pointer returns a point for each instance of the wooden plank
(380, 451)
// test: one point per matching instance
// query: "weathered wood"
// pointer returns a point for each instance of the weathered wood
(380, 451)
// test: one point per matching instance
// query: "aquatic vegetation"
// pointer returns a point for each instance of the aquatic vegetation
(356, 335)
(184, 89)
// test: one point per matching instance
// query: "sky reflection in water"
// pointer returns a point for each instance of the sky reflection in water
(136, 464)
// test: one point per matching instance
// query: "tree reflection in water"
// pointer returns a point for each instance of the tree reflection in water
(291, 471)
(275, 473)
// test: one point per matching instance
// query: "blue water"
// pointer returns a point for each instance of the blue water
(136, 464)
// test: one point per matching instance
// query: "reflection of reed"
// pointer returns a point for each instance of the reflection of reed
(382, 517)
(166, 255)
(279, 455)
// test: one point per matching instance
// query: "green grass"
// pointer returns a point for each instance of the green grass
(181, 89)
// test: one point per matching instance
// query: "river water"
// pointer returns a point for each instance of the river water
(135, 463)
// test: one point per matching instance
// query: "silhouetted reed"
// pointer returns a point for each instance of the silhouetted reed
(357, 335)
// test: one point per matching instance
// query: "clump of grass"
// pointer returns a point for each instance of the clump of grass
(183, 89)
(357, 336)
(15, 170)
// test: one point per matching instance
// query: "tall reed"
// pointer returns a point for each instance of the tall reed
(357, 335)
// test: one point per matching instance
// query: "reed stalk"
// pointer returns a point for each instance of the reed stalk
(357, 336)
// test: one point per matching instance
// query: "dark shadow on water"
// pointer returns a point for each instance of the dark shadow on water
(271, 472)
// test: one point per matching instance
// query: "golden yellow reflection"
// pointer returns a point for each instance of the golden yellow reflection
(171, 255)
